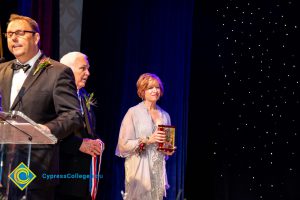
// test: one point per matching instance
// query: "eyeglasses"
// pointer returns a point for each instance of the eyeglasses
(18, 33)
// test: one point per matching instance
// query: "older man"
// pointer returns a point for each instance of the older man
(78, 149)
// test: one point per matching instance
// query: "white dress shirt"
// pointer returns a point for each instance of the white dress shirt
(20, 76)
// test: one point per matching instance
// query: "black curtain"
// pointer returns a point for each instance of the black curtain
(205, 87)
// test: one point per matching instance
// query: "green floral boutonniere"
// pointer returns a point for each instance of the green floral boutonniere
(90, 100)
(43, 64)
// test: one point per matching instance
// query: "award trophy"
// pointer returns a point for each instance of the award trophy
(169, 144)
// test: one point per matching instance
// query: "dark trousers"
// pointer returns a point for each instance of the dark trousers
(34, 194)
(70, 197)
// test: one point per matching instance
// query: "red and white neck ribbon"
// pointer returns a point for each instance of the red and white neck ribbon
(95, 172)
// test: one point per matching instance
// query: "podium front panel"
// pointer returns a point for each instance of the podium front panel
(17, 135)
(17, 128)
(13, 179)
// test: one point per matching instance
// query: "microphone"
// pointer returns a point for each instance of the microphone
(20, 96)
(0, 104)
(21, 92)
(2, 59)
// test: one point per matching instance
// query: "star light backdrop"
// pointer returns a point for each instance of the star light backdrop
(256, 145)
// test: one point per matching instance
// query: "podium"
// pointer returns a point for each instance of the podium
(17, 133)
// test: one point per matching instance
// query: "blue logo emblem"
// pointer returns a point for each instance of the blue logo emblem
(22, 176)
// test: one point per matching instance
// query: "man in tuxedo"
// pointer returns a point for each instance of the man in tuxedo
(78, 149)
(45, 91)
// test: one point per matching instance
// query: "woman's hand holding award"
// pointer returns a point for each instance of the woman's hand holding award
(167, 147)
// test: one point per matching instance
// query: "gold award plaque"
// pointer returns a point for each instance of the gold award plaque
(169, 144)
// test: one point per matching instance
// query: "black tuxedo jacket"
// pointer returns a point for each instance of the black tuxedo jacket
(72, 160)
(49, 97)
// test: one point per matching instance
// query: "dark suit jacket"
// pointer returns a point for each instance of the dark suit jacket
(74, 161)
(49, 98)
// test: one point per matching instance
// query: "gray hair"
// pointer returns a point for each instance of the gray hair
(69, 59)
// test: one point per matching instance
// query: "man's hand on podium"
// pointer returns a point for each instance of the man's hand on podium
(44, 128)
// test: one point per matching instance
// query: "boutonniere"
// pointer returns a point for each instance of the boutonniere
(43, 64)
(90, 100)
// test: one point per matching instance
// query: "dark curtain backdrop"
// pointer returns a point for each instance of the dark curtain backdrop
(204, 91)
(123, 40)
(47, 15)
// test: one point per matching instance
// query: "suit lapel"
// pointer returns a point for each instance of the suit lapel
(27, 83)
(8, 74)
(86, 114)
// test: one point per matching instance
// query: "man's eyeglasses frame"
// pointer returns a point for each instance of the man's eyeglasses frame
(18, 33)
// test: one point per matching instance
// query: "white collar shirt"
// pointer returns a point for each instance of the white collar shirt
(19, 77)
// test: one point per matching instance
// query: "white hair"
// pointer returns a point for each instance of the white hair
(69, 59)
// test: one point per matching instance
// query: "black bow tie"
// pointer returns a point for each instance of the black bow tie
(17, 66)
